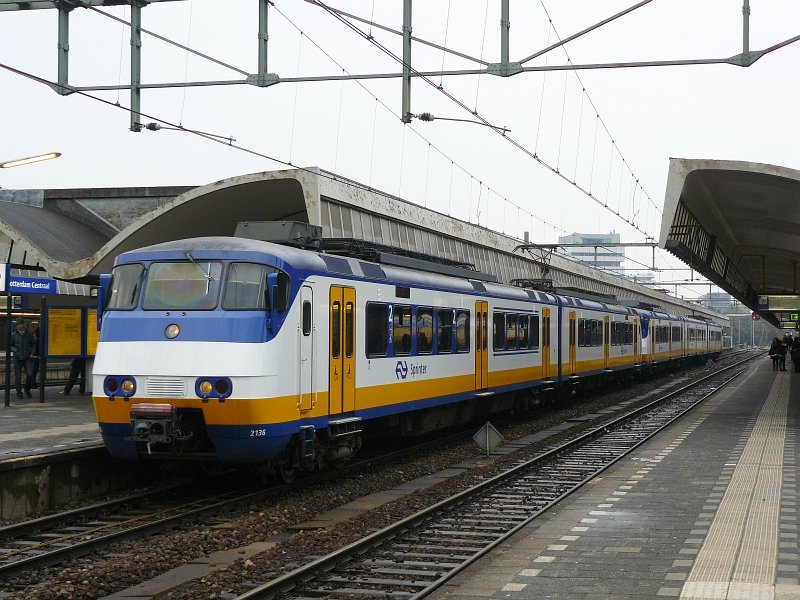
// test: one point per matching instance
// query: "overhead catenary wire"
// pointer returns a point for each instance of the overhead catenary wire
(458, 102)
(181, 127)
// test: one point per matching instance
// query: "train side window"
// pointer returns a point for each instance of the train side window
(126, 281)
(581, 332)
(498, 329)
(524, 338)
(462, 331)
(306, 318)
(424, 330)
(445, 336)
(245, 286)
(349, 329)
(401, 325)
(376, 330)
(534, 331)
(336, 329)
(511, 331)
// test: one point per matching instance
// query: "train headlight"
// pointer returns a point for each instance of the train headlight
(123, 386)
(172, 331)
(213, 387)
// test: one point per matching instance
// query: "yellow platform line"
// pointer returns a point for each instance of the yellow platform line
(738, 558)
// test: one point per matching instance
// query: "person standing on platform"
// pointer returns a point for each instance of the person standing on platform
(35, 358)
(782, 350)
(22, 348)
(773, 353)
(794, 354)
(76, 370)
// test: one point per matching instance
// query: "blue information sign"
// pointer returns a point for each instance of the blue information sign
(30, 285)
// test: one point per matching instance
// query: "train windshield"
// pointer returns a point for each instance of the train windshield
(189, 285)
(125, 283)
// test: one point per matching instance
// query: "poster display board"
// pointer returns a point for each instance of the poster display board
(71, 331)
(92, 335)
(64, 332)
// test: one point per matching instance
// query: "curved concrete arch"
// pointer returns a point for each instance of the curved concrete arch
(213, 209)
(73, 251)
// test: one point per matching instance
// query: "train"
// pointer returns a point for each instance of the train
(232, 350)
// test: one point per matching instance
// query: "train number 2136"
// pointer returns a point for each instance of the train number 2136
(258, 433)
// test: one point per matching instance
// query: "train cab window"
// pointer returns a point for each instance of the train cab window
(376, 330)
(498, 331)
(511, 332)
(401, 325)
(125, 284)
(245, 287)
(445, 332)
(184, 285)
(306, 318)
(424, 330)
(524, 332)
(462, 331)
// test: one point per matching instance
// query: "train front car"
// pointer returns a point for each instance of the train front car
(189, 357)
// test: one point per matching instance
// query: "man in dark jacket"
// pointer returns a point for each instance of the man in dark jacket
(23, 348)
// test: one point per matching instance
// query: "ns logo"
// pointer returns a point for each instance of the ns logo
(401, 369)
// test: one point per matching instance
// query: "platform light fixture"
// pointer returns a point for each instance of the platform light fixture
(31, 159)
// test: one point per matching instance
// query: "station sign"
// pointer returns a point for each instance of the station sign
(30, 285)
(795, 316)
(773, 303)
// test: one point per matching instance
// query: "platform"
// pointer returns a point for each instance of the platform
(707, 509)
(30, 427)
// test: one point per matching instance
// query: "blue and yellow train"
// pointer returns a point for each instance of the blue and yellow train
(242, 351)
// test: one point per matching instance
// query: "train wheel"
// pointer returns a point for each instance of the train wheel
(286, 473)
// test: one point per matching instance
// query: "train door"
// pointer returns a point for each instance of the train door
(637, 347)
(573, 340)
(481, 344)
(342, 376)
(306, 349)
(606, 341)
(546, 343)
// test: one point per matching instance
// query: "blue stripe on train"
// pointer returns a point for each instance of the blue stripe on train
(196, 326)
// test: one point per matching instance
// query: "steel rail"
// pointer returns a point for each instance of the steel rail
(284, 584)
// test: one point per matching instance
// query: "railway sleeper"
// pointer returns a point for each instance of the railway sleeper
(353, 592)
(452, 549)
(431, 566)
(410, 583)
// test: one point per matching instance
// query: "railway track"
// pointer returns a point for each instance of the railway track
(49, 540)
(413, 557)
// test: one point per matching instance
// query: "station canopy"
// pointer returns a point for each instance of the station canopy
(738, 224)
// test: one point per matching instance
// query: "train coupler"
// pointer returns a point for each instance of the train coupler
(153, 424)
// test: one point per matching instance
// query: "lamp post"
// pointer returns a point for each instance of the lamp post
(18, 162)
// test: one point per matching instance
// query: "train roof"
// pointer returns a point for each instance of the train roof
(291, 258)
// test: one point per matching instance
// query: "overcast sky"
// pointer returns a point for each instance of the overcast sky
(583, 125)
